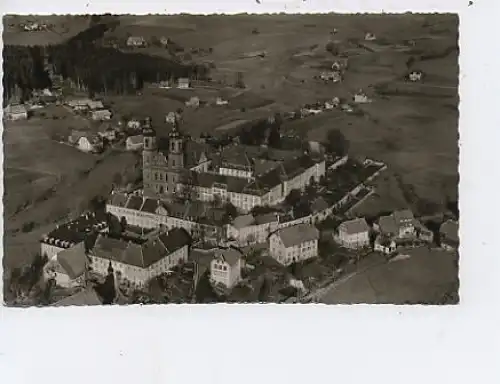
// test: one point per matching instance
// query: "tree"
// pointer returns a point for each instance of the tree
(274, 139)
(231, 210)
(337, 143)
(293, 197)
(332, 47)
(239, 83)
(123, 223)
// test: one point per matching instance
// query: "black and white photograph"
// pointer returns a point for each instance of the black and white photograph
(247, 158)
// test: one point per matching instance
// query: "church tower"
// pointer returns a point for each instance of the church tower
(149, 153)
(175, 159)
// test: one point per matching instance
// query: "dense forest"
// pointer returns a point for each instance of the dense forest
(89, 66)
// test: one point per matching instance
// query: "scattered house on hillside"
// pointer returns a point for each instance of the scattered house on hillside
(334, 76)
(384, 244)
(79, 104)
(134, 143)
(449, 235)
(226, 266)
(85, 141)
(95, 105)
(193, 102)
(15, 112)
(249, 229)
(339, 65)
(400, 224)
(135, 261)
(346, 108)
(136, 41)
(183, 83)
(370, 36)
(221, 101)
(164, 41)
(332, 104)
(415, 76)
(361, 98)
(83, 298)
(172, 117)
(68, 267)
(295, 243)
(107, 132)
(353, 234)
(101, 115)
(134, 124)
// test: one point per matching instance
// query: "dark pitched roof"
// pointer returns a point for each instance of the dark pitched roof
(297, 234)
(141, 255)
(150, 205)
(229, 255)
(266, 218)
(134, 202)
(357, 225)
(82, 298)
(119, 199)
(73, 260)
(319, 204)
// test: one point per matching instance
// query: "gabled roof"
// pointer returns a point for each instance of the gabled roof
(243, 221)
(229, 255)
(266, 218)
(388, 225)
(85, 297)
(298, 234)
(319, 204)
(118, 199)
(404, 216)
(73, 260)
(357, 225)
(150, 205)
(134, 202)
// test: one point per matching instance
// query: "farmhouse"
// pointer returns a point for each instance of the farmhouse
(354, 233)
(249, 229)
(415, 76)
(134, 143)
(79, 104)
(295, 243)
(193, 102)
(136, 261)
(85, 141)
(384, 244)
(183, 83)
(221, 101)
(370, 36)
(136, 41)
(226, 266)
(68, 267)
(360, 97)
(101, 115)
(15, 112)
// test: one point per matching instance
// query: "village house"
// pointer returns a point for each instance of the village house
(226, 266)
(334, 76)
(164, 41)
(370, 36)
(172, 118)
(68, 267)
(134, 143)
(95, 105)
(249, 229)
(79, 104)
(183, 83)
(448, 233)
(361, 98)
(400, 224)
(101, 115)
(384, 245)
(86, 141)
(136, 41)
(14, 112)
(134, 124)
(415, 76)
(294, 244)
(65, 236)
(107, 132)
(353, 234)
(193, 102)
(221, 101)
(135, 262)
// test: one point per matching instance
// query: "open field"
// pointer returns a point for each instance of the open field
(423, 277)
